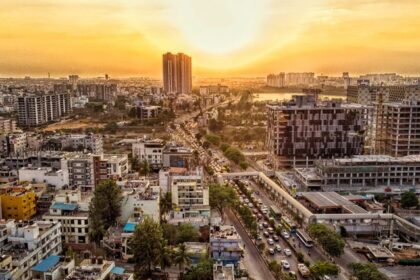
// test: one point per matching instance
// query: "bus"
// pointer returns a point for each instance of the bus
(288, 225)
(275, 212)
(306, 240)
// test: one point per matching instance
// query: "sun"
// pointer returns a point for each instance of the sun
(220, 26)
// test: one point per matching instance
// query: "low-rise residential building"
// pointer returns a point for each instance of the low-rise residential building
(225, 244)
(30, 242)
(81, 170)
(53, 267)
(139, 200)
(91, 143)
(56, 179)
(7, 125)
(117, 240)
(177, 156)
(17, 202)
(150, 151)
(223, 272)
(148, 112)
(98, 269)
(13, 143)
(71, 209)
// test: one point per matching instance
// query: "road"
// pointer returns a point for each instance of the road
(257, 268)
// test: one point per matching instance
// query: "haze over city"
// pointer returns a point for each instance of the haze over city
(226, 38)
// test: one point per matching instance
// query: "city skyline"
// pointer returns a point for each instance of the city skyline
(225, 38)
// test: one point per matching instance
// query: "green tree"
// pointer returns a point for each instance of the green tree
(187, 233)
(170, 233)
(144, 168)
(165, 204)
(222, 196)
(319, 269)
(409, 199)
(366, 271)
(243, 165)
(215, 125)
(330, 241)
(275, 267)
(202, 271)
(166, 255)
(111, 127)
(146, 244)
(206, 144)
(182, 257)
(104, 208)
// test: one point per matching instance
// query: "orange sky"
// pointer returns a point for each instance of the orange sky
(224, 37)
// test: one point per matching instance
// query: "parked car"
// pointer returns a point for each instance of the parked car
(266, 234)
(287, 252)
(285, 234)
(278, 248)
(270, 241)
(271, 251)
(276, 238)
(265, 224)
(285, 264)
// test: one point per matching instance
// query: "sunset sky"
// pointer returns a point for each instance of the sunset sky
(224, 37)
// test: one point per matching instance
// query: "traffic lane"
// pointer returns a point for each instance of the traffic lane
(258, 265)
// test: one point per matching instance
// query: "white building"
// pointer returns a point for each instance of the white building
(190, 195)
(149, 150)
(139, 200)
(53, 268)
(98, 269)
(57, 179)
(30, 242)
(71, 209)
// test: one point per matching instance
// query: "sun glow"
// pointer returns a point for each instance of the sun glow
(220, 26)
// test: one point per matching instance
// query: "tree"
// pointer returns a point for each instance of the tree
(104, 208)
(111, 127)
(409, 199)
(215, 125)
(275, 267)
(243, 165)
(165, 204)
(182, 257)
(330, 241)
(366, 271)
(146, 244)
(319, 269)
(166, 255)
(206, 144)
(222, 196)
(187, 233)
(144, 168)
(202, 271)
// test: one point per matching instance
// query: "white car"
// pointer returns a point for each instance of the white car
(278, 248)
(287, 252)
(271, 251)
(285, 234)
(285, 264)
(270, 241)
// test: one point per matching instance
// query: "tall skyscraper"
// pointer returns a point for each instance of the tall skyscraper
(177, 77)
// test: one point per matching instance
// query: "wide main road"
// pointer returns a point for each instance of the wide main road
(254, 263)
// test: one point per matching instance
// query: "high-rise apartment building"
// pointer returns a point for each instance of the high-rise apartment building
(274, 80)
(41, 108)
(367, 95)
(398, 128)
(177, 75)
(304, 129)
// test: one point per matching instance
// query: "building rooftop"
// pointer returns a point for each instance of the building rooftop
(47, 264)
(331, 200)
(380, 252)
(224, 232)
(64, 206)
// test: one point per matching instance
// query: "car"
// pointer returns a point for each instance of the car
(276, 238)
(265, 224)
(266, 234)
(246, 200)
(326, 277)
(271, 251)
(285, 234)
(259, 216)
(259, 238)
(260, 226)
(270, 241)
(250, 205)
(287, 252)
(285, 264)
(270, 230)
(255, 211)
(278, 248)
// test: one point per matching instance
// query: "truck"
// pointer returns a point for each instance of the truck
(303, 270)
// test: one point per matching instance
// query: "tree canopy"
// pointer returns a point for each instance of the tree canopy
(409, 199)
(330, 241)
(104, 208)
(366, 271)
(202, 271)
(222, 196)
(319, 269)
